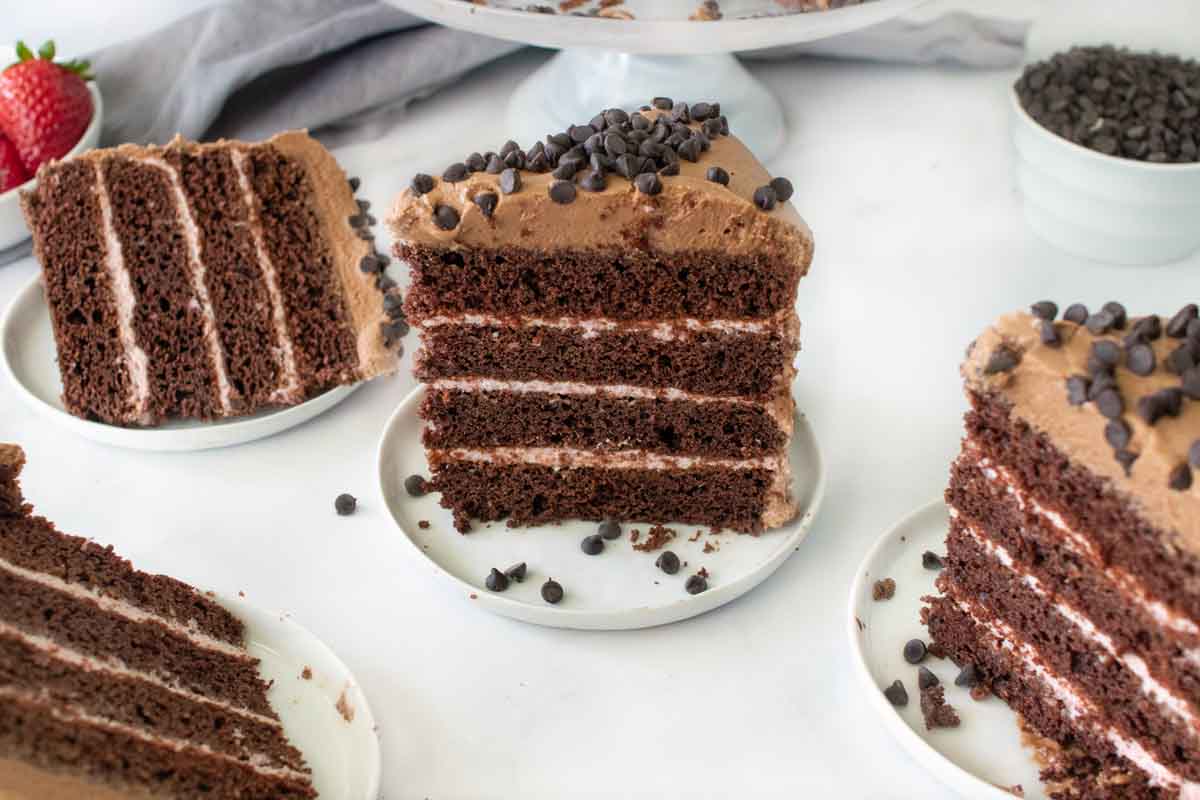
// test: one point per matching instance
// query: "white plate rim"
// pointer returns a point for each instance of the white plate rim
(960, 780)
(580, 619)
(199, 437)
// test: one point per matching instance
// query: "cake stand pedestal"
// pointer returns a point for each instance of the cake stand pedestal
(606, 63)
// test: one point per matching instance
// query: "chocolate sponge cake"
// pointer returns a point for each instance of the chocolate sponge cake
(607, 324)
(118, 684)
(208, 280)
(1072, 582)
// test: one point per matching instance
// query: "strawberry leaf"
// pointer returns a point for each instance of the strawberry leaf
(47, 50)
(23, 52)
(81, 67)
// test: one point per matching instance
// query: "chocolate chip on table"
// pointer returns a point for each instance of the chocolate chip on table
(510, 181)
(765, 198)
(562, 192)
(345, 505)
(1049, 334)
(552, 592)
(1178, 325)
(445, 218)
(668, 562)
(696, 584)
(1077, 389)
(487, 202)
(609, 529)
(717, 175)
(592, 545)
(1044, 309)
(914, 651)
(1140, 359)
(896, 694)
(416, 486)
(648, 183)
(1077, 313)
(455, 172)
(1181, 478)
(968, 677)
(1117, 434)
(783, 189)
(926, 679)
(354, 182)
(517, 572)
(1110, 404)
(932, 561)
(496, 581)
(1002, 359)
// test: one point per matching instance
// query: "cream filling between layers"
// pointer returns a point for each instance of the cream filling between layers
(259, 763)
(568, 458)
(114, 260)
(112, 666)
(199, 285)
(1080, 709)
(289, 389)
(592, 327)
(127, 610)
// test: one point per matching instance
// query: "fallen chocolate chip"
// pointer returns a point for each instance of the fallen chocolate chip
(354, 182)
(1077, 313)
(592, 545)
(931, 560)
(783, 189)
(455, 173)
(968, 677)
(648, 183)
(1049, 334)
(1110, 404)
(445, 218)
(896, 694)
(1117, 311)
(765, 198)
(914, 651)
(517, 572)
(1177, 327)
(552, 592)
(668, 562)
(510, 181)
(610, 529)
(487, 202)
(1002, 359)
(416, 486)
(345, 505)
(1077, 389)
(562, 192)
(1140, 359)
(1117, 434)
(1181, 478)
(594, 181)
(1044, 309)
(696, 584)
(926, 679)
(496, 581)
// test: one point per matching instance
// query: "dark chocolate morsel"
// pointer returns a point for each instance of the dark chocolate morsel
(455, 173)
(717, 175)
(1117, 434)
(1049, 334)
(914, 651)
(1077, 389)
(594, 181)
(562, 192)
(932, 561)
(896, 694)
(345, 504)
(552, 592)
(496, 581)
(1194, 454)
(1044, 309)
(1110, 404)
(592, 545)
(696, 584)
(370, 264)
(1118, 313)
(926, 679)
(1190, 383)
(1140, 359)
(416, 486)
(968, 677)
(783, 189)
(1181, 478)
(663, 103)
(648, 183)
(517, 572)
(487, 202)
(445, 217)
(1100, 323)
(421, 183)
(610, 529)
(510, 181)
(1077, 313)
(765, 198)
(1003, 359)
(1177, 327)
(668, 562)
(354, 182)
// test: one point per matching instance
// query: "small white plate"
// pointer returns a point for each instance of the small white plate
(615, 590)
(28, 353)
(984, 756)
(325, 716)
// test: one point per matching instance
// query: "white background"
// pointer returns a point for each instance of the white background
(905, 175)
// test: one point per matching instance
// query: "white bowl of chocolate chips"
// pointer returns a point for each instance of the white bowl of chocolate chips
(1108, 153)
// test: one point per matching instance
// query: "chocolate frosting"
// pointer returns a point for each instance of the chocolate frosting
(1036, 389)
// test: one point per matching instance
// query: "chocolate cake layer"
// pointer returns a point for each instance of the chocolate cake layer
(167, 317)
(65, 218)
(147, 646)
(1037, 548)
(1012, 680)
(241, 304)
(1082, 660)
(603, 422)
(1086, 503)
(708, 363)
(529, 494)
(628, 283)
(56, 742)
(318, 318)
(141, 704)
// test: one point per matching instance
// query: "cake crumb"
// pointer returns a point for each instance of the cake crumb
(712, 546)
(859, 623)
(703, 573)
(344, 708)
(657, 536)
(614, 13)
(306, 673)
(423, 524)
(936, 711)
(567, 5)
(634, 535)
(884, 589)
(979, 692)
(708, 11)
(695, 537)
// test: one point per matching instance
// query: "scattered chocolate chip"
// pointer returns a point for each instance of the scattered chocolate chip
(932, 561)
(1177, 327)
(510, 181)
(1140, 359)
(592, 545)
(1110, 404)
(884, 589)
(914, 651)
(345, 505)
(416, 486)
(610, 529)
(717, 175)
(696, 584)
(445, 218)
(1117, 434)
(562, 192)
(648, 183)
(1049, 334)
(456, 172)
(1044, 309)
(765, 198)
(668, 562)
(926, 679)
(1118, 313)
(354, 182)
(517, 572)
(1077, 389)
(1003, 359)
(783, 189)
(1077, 313)
(968, 677)
(552, 592)
(896, 694)
(1181, 478)
(496, 581)
(1100, 323)
(487, 202)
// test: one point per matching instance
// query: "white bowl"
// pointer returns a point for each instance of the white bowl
(13, 229)
(1105, 208)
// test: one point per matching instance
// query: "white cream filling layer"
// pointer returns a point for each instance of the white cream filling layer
(591, 327)
(260, 763)
(565, 458)
(126, 610)
(1080, 709)
(114, 260)
(198, 276)
(576, 388)
(289, 389)
(112, 666)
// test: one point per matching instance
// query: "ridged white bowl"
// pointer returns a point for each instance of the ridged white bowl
(13, 229)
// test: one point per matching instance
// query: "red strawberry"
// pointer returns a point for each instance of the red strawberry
(12, 171)
(44, 107)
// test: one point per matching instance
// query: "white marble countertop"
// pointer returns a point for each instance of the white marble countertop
(905, 175)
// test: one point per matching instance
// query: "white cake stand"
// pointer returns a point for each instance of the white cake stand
(607, 63)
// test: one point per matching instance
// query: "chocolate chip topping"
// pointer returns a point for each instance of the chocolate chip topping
(510, 181)
(663, 103)
(1194, 454)
(968, 677)
(445, 218)
(783, 189)
(1101, 322)
(1117, 311)
(1044, 309)
(1181, 478)
(765, 198)
(1140, 359)
(1117, 434)
(422, 183)
(1106, 354)
(1178, 325)
(562, 192)
(354, 182)
(1110, 404)
(648, 183)
(1190, 383)
(1182, 358)
(594, 181)
(370, 264)
(1126, 459)
(1049, 334)
(717, 175)
(1077, 313)
(455, 173)
(1077, 389)
(487, 202)
(1003, 359)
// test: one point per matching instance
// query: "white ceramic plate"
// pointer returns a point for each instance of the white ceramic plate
(342, 753)
(28, 354)
(983, 757)
(617, 589)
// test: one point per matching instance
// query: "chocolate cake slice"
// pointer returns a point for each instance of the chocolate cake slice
(607, 324)
(116, 683)
(208, 280)
(1072, 582)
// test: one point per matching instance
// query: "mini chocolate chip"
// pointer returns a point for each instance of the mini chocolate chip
(592, 545)
(783, 189)
(1149, 328)
(1117, 434)
(670, 169)
(345, 505)
(354, 183)
(765, 198)
(1049, 334)
(1140, 359)
(1077, 313)
(559, 140)
(495, 165)
(416, 486)
(681, 113)
(616, 116)
(1077, 389)
(1181, 359)
(1044, 309)
(1149, 408)
(562, 192)
(363, 205)
(369, 264)
(487, 202)
(610, 529)
(1177, 327)
(1002, 359)
(717, 175)
(696, 584)
(1190, 384)
(1100, 323)
(496, 581)
(365, 234)
(509, 147)
(1181, 478)
(914, 651)
(455, 173)
(383, 283)
(393, 304)
(445, 218)
(614, 145)
(1106, 352)
(648, 183)
(1171, 400)
(1110, 404)
(552, 592)
(565, 171)
(1193, 331)
(510, 181)
(1126, 459)
(475, 162)
(1118, 313)
(516, 159)
(394, 330)
(594, 181)
(689, 150)
(932, 561)
(1194, 454)
(926, 679)
(517, 572)
(896, 694)
(702, 111)
(968, 677)
(422, 183)
(712, 127)
(580, 133)
(663, 103)
(639, 123)
(668, 562)
(1102, 380)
